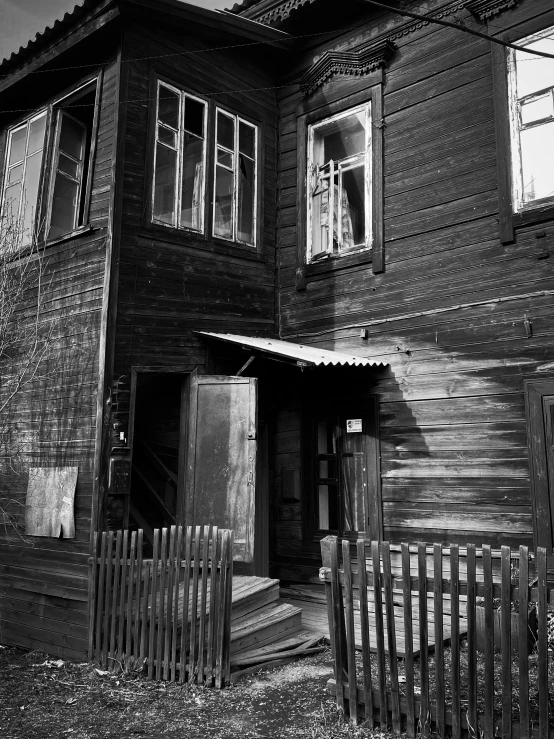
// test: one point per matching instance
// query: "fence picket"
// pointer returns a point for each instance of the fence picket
(122, 590)
(153, 607)
(523, 636)
(409, 641)
(138, 588)
(364, 625)
(212, 612)
(506, 640)
(424, 712)
(128, 645)
(203, 593)
(391, 634)
(488, 645)
(338, 642)
(169, 607)
(107, 598)
(348, 598)
(144, 625)
(379, 635)
(160, 610)
(100, 604)
(175, 626)
(230, 538)
(471, 642)
(93, 580)
(185, 631)
(116, 578)
(194, 600)
(542, 642)
(455, 638)
(439, 641)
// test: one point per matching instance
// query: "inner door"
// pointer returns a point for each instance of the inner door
(346, 474)
(220, 477)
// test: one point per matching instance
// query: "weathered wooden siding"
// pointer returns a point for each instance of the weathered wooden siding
(171, 282)
(448, 312)
(44, 581)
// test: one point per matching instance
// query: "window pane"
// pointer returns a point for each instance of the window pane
(30, 190)
(246, 194)
(223, 221)
(193, 183)
(165, 184)
(11, 204)
(537, 159)
(194, 116)
(325, 440)
(224, 158)
(353, 207)
(320, 220)
(327, 507)
(168, 107)
(535, 73)
(68, 166)
(538, 109)
(168, 136)
(72, 137)
(17, 150)
(64, 206)
(343, 138)
(225, 131)
(36, 135)
(326, 468)
(15, 174)
(247, 139)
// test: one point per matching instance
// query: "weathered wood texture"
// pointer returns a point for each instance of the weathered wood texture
(43, 582)
(173, 282)
(448, 312)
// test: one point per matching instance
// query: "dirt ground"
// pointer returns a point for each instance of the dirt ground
(45, 698)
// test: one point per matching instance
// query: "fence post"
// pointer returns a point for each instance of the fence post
(93, 582)
(326, 565)
(338, 631)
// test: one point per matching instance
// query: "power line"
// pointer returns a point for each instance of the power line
(459, 27)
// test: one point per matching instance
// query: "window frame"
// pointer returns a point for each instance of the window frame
(374, 254)
(238, 119)
(43, 205)
(312, 181)
(182, 93)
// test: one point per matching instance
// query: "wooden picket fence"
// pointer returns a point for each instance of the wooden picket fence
(421, 586)
(171, 613)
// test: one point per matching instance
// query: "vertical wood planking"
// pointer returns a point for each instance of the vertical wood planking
(391, 637)
(100, 606)
(137, 601)
(506, 641)
(489, 644)
(107, 599)
(439, 641)
(364, 626)
(424, 712)
(122, 584)
(542, 642)
(203, 600)
(523, 657)
(215, 551)
(348, 597)
(131, 576)
(93, 579)
(471, 642)
(161, 603)
(379, 637)
(408, 641)
(116, 579)
(455, 638)
(185, 631)
(169, 608)
(194, 602)
(175, 625)
(337, 623)
(153, 606)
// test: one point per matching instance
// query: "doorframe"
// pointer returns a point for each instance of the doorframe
(541, 504)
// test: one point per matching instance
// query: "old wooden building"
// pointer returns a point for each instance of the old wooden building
(300, 272)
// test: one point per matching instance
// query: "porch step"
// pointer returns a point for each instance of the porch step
(265, 625)
(252, 593)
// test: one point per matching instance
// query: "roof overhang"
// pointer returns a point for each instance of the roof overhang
(301, 355)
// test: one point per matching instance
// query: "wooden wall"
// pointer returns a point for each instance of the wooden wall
(44, 581)
(171, 282)
(452, 417)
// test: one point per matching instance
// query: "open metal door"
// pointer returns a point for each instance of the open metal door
(220, 478)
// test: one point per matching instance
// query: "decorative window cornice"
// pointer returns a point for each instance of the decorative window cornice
(486, 9)
(364, 60)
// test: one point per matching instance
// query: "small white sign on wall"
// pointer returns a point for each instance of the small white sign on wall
(353, 425)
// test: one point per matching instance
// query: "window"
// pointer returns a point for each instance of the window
(531, 95)
(70, 122)
(235, 179)
(179, 159)
(339, 189)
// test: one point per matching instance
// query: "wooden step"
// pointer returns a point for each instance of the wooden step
(268, 624)
(252, 593)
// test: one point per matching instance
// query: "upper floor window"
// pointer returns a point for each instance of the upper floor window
(339, 183)
(531, 92)
(235, 178)
(179, 159)
(46, 187)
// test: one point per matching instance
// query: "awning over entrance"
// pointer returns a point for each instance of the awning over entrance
(299, 354)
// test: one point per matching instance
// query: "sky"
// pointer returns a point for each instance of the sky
(21, 20)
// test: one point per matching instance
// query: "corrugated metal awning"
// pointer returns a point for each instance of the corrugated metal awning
(300, 354)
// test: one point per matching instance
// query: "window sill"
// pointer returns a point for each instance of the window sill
(69, 235)
(184, 237)
(537, 214)
(336, 263)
